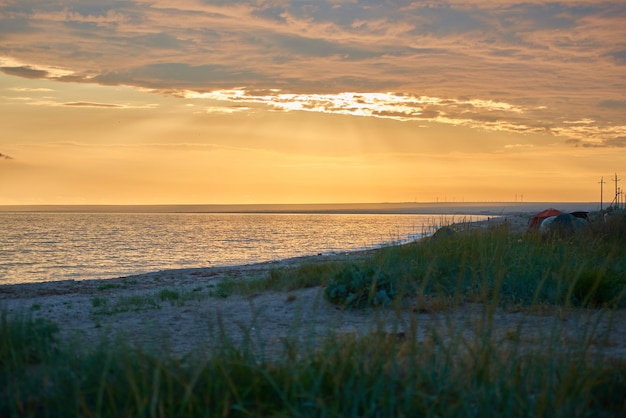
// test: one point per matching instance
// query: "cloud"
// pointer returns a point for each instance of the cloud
(618, 56)
(53, 101)
(31, 90)
(12, 66)
(617, 142)
(26, 72)
(613, 104)
(89, 104)
(10, 26)
(511, 66)
(484, 114)
(159, 41)
(179, 75)
(226, 109)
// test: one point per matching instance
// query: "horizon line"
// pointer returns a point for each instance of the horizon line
(313, 208)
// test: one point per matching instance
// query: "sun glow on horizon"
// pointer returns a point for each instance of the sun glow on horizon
(162, 151)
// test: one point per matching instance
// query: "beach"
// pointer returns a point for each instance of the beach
(182, 312)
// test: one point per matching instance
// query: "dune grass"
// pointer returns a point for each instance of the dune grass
(496, 266)
(477, 265)
(380, 374)
(373, 375)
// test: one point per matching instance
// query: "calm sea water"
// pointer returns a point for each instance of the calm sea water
(36, 247)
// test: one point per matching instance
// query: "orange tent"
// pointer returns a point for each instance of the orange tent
(536, 220)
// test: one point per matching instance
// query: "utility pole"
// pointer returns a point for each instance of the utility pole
(602, 183)
(616, 180)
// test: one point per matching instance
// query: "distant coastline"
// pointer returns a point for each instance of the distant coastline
(434, 208)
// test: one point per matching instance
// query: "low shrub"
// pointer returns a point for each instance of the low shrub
(305, 275)
(356, 287)
(596, 287)
(169, 295)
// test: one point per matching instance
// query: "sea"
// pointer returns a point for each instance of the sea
(54, 246)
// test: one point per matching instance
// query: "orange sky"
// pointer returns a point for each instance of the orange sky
(184, 102)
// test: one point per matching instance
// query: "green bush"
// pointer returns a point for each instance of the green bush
(170, 295)
(308, 274)
(355, 287)
(595, 287)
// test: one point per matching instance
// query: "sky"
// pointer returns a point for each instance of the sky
(310, 101)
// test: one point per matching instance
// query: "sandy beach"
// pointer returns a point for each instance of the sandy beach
(180, 311)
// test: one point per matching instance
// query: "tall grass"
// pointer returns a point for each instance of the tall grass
(490, 265)
(449, 374)
(496, 266)
(373, 375)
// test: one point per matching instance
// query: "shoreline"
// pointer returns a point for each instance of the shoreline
(57, 256)
(199, 275)
(162, 278)
(198, 320)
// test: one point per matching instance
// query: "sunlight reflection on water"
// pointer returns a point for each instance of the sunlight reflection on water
(58, 246)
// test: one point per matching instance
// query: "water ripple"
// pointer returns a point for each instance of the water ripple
(60, 246)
